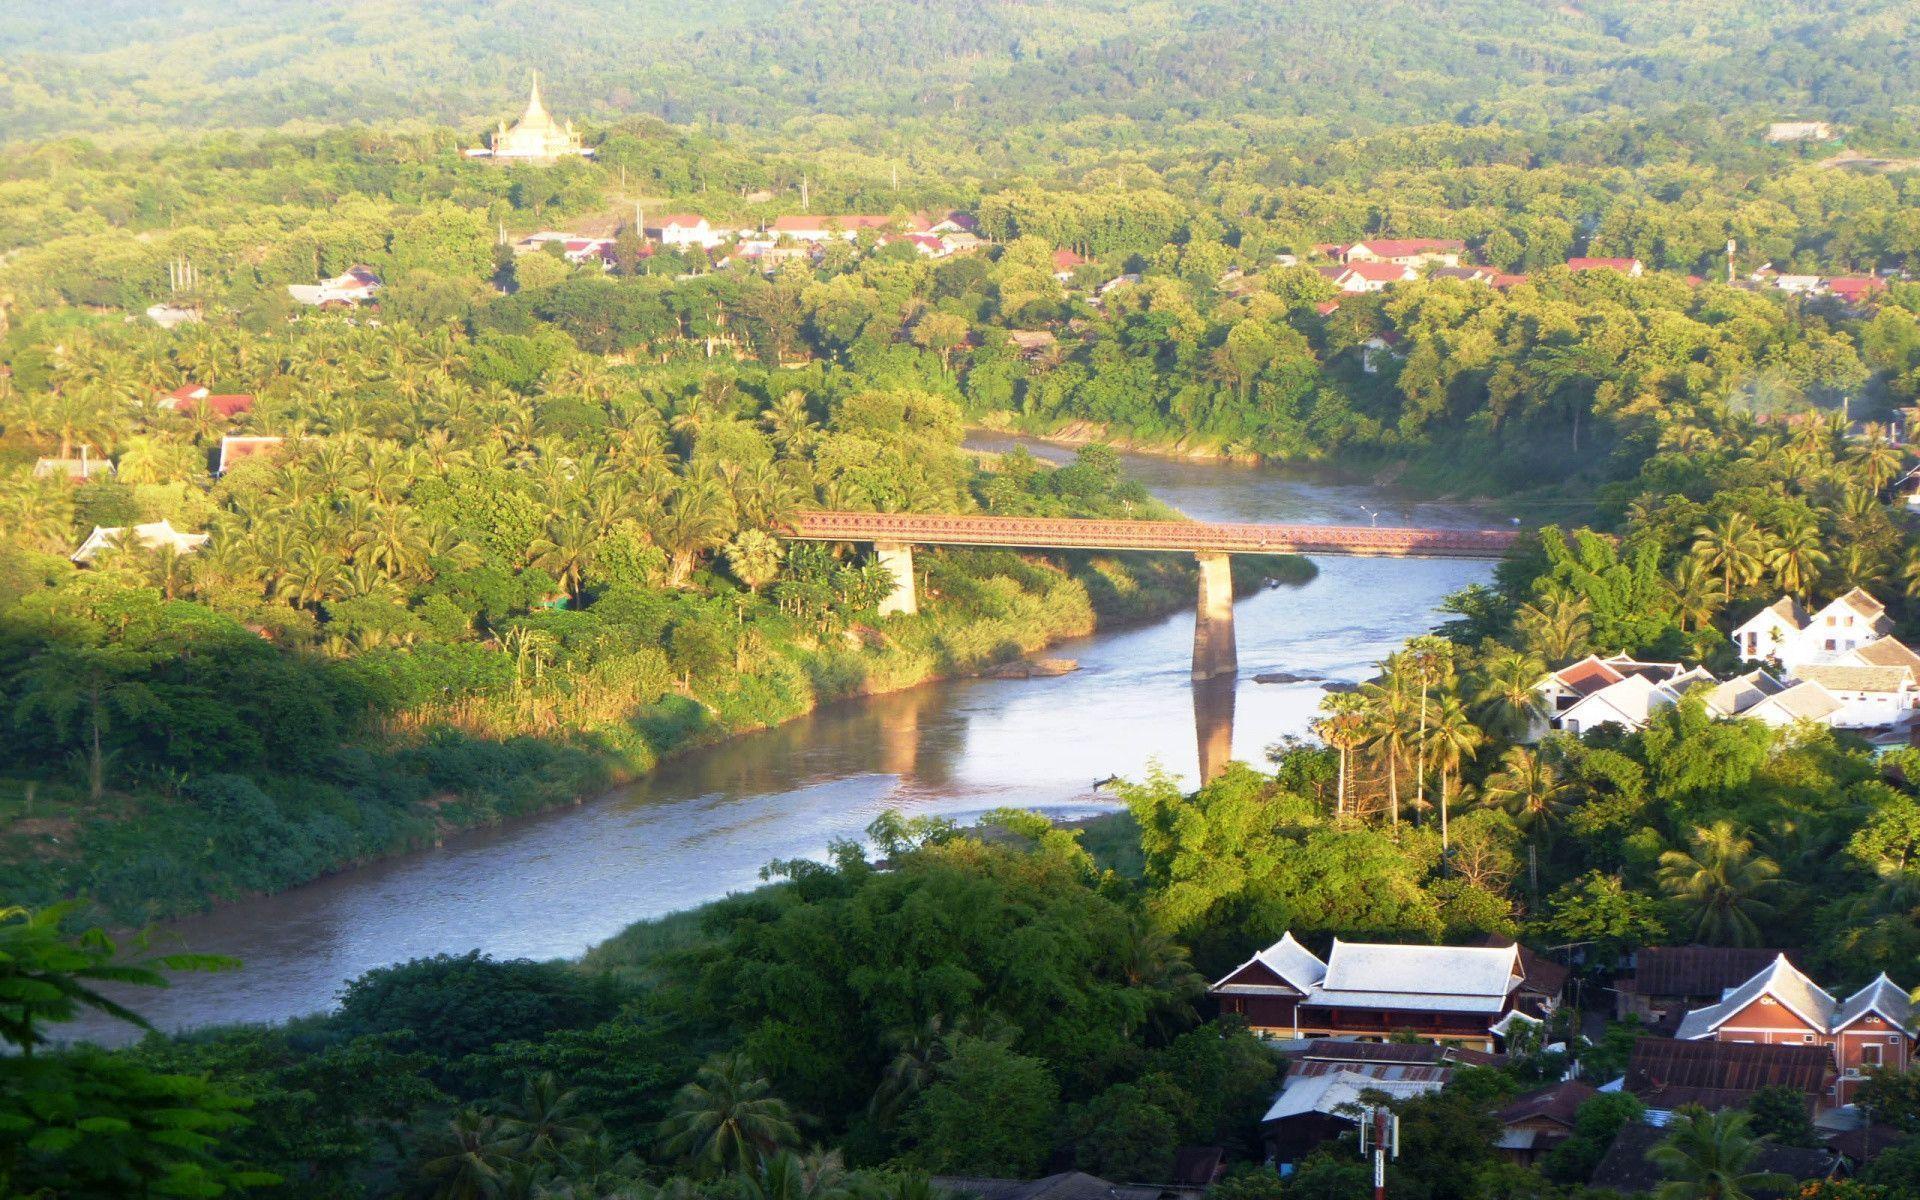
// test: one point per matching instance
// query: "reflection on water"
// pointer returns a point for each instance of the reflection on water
(706, 823)
(1213, 723)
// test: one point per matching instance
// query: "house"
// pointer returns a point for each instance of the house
(1626, 1169)
(189, 396)
(1407, 252)
(1801, 702)
(1032, 343)
(1465, 274)
(1799, 131)
(1626, 266)
(1666, 982)
(1779, 1006)
(685, 229)
(1538, 1121)
(1870, 696)
(1369, 276)
(1504, 281)
(951, 221)
(1668, 1073)
(1312, 1109)
(73, 470)
(1783, 633)
(355, 285)
(1130, 279)
(1381, 347)
(234, 449)
(1444, 994)
(1627, 703)
(1065, 263)
(963, 242)
(1735, 696)
(172, 316)
(1855, 289)
(153, 535)
(821, 229)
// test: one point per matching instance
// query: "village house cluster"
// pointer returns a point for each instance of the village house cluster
(1839, 666)
(1396, 1021)
(785, 239)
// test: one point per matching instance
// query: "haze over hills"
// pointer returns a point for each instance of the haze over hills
(819, 71)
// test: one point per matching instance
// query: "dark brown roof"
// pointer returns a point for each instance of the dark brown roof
(1558, 1103)
(1408, 1053)
(1625, 1167)
(1861, 1146)
(1667, 1074)
(1198, 1166)
(1540, 973)
(1680, 971)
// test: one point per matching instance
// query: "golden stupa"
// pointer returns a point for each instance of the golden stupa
(536, 135)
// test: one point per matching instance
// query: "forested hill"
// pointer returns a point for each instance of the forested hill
(862, 71)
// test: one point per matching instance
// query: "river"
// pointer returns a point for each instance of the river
(704, 824)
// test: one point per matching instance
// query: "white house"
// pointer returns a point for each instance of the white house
(1567, 692)
(1801, 702)
(1372, 276)
(153, 535)
(353, 286)
(1407, 252)
(686, 229)
(1783, 633)
(1869, 696)
(1738, 696)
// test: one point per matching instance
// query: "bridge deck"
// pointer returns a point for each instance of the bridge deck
(1076, 534)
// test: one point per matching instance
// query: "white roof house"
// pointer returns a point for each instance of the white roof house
(1869, 696)
(1801, 702)
(1786, 985)
(355, 284)
(1742, 692)
(1784, 633)
(1386, 975)
(1627, 704)
(152, 535)
(1336, 1093)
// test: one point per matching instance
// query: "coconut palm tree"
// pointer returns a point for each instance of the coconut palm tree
(1710, 1156)
(1504, 696)
(728, 1119)
(1452, 739)
(1878, 461)
(1530, 787)
(566, 551)
(694, 520)
(1344, 727)
(1796, 557)
(1389, 725)
(1695, 598)
(1431, 660)
(547, 1120)
(1556, 627)
(1720, 882)
(1734, 548)
(470, 1159)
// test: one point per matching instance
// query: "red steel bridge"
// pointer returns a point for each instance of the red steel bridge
(895, 534)
(1195, 537)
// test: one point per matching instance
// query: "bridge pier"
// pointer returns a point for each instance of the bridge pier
(1214, 651)
(897, 558)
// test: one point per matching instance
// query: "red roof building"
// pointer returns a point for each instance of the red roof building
(188, 396)
(1626, 266)
(1410, 252)
(1369, 276)
(1855, 288)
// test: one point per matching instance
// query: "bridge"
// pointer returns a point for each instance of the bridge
(1214, 653)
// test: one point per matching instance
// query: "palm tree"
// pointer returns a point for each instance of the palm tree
(1431, 659)
(1556, 628)
(547, 1120)
(1388, 720)
(1695, 598)
(728, 1119)
(1453, 739)
(1344, 728)
(1879, 460)
(1709, 1156)
(1796, 557)
(566, 550)
(1161, 983)
(470, 1159)
(1530, 787)
(693, 520)
(1505, 696)
(1719, 881)
(1733, 547)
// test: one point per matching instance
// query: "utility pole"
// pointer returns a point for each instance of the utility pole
(805, 204)
(1729, 261)
(1379, 1152)
(896, 176)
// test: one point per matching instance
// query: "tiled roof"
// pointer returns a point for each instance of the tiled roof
(1883, 996)
(1839, 677)
(1779, 979)
(1862, 602)
(1696, 970)
(1806, 700)
(1602, 264)
(1558, 1103)
(1377, 272)
(1403, 247)
(1668, 1073)
(1887, 652)
(1588, 676)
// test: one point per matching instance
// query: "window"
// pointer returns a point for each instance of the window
(1571, 726)
(1806, 1037)
(1829, 644)
(1870, 1054)
(1893, 1039)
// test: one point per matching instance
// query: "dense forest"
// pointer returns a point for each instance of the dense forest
(512, 535)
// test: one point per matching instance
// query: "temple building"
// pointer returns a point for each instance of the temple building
(535, 137)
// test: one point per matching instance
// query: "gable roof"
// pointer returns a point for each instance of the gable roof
(1405, 247)
(153, 535)
(1668, 1072)
(1803, 701)
(1840, 677)
(1289, 961)
(1882, 996)
(1678, 971)
(1658, 672)
(1625, 1166)
(1558, 1104)
(1378, 272)
(1587, 676)
(1886, 652)
(1860, 601)
(1632, 701)
(1602, 264)
(1327, 1094)
(1742, 692)
(1467, 977)
(1783, 982)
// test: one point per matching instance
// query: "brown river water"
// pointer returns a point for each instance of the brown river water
(704, 824)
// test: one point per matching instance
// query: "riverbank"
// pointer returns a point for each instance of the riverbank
(150, 853)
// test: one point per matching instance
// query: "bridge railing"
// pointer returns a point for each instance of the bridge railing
(1081, 533)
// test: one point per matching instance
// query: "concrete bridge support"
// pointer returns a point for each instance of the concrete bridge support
(1214, 652)
(897, 558)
